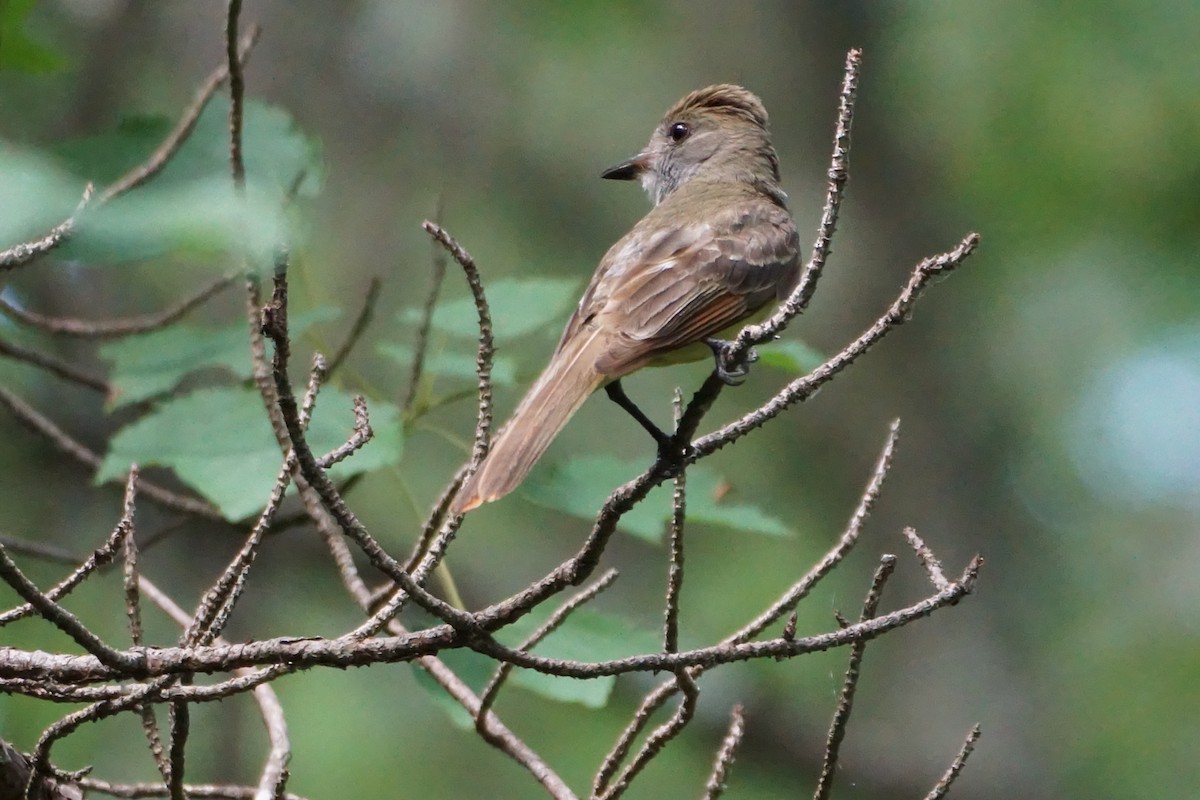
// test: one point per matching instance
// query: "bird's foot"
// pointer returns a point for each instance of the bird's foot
(732, 372)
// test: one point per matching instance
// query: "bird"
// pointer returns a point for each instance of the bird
(718, 247)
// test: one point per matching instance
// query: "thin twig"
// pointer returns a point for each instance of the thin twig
(275, 326)
(487, 695)
(358, 327)
(487, 349)
(198, 791)
(35, 421)
(64, 620)
(180, 722)
(841, 716)
(21, 254)
(943, 786)
(184, 127)
(54, 366)
(113, 328)
(675, 569)
(236, 94)
(806, 386)
(422, 345)
(839, 172)
(657, 740)
(724, 760)
(98, 558)
(928, 560)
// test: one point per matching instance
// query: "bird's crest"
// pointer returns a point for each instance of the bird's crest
(724, 98)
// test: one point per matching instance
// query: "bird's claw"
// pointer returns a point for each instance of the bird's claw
(732, 374)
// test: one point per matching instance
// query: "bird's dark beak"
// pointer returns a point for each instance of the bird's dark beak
(627, 170)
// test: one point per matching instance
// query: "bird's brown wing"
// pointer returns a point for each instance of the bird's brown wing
(712, 277)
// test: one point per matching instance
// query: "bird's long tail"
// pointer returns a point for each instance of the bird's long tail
(566, 382)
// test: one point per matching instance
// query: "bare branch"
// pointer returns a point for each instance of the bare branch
(108, 329)
(198, 791)
(838, 174)
(422, 345)
(951, 774)
(183, 129)
(359, 326)
(928, 560)
(487, 349)
(54, 366)
(804, 387)
(675, 570)
(729, 745)
(488, 695)
(21, 254)
(64, 620)
(841, 716)
(236, 94)
(656, 741)
(98, 558)
(32, 419)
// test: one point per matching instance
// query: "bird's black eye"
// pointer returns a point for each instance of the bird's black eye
(679, 131)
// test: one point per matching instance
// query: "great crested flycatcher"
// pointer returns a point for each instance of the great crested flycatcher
(718, 246)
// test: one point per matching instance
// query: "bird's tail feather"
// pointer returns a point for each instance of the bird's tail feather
(553, 399)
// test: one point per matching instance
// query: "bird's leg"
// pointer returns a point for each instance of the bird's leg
(666, 443)
(731, 374)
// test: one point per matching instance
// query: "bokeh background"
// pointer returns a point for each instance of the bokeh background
(1049, 390)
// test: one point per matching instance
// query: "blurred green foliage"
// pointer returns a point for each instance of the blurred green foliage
(1049, 390)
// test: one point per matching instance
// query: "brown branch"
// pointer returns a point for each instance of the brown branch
(20, 254)
(656, 741)
(35, 421)
(236, 94)
(68, 623)
(358, 327)
(98, 558)
(804, 387)
(487, 695)
(114, 328)
(933, 567)
(487, 348)
(724, 760)
(184, 127)
(54, 366)
(344, 651)
(675, 568)
(198, 791)
(943, 786)
(839, 166)
(422, 345)
(841, 716)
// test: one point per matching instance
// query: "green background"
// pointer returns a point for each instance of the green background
(1049, 391)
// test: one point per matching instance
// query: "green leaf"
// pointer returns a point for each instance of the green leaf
(790, 355)
(580, 485)
(585, 636)
(451, 365)
(191, 207)
(275, 151)
(104, 157)
(519, 307)
(149, 365)
(205, 217)
(219, 442)
(17, 50)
